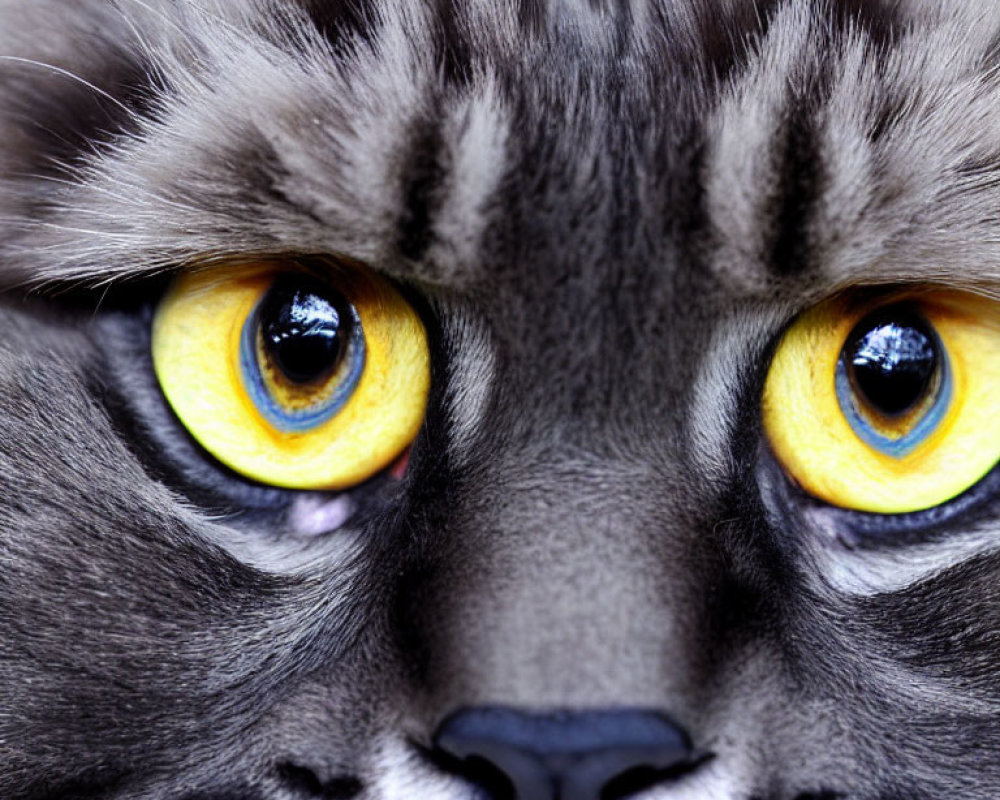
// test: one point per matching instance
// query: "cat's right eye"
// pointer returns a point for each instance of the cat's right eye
(297, 378)
(888, 403)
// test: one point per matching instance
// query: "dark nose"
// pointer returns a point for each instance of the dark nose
(589, 755)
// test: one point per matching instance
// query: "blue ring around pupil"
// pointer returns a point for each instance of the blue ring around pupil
(890, 363)
(295, 310)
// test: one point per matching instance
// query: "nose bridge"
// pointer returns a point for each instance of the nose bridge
(582, 595)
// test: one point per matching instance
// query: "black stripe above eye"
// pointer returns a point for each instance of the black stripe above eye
(422, 180)
(799, 162)
(799, 184)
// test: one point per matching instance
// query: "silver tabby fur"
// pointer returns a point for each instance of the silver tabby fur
(607, 210)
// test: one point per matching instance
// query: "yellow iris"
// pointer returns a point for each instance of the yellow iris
(838, 449)
(331, 433)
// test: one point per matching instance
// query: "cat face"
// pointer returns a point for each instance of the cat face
(616, 553)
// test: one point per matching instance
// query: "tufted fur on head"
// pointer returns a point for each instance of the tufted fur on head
(606, 211)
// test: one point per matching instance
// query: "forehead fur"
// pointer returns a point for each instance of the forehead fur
(784, 143)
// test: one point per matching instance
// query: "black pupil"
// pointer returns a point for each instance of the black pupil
(305, 327)
(892, 358)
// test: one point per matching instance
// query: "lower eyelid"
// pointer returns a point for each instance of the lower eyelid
(978, 498)
(862, 530)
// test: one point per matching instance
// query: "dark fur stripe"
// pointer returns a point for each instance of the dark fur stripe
(420, 186)
(532, 14)
(72, 118)
(454, 53)
(801, 170)
(877, 19)
(341, 21)
(800, 182)
(727, 41)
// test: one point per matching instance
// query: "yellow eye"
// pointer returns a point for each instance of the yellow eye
(295, 378)
(889, 404)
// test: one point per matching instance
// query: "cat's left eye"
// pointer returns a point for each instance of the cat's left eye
(888, 403)
(294, 377)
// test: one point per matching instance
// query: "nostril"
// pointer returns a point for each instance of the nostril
(594, 755)
(307, 784)
(631, 783)
(641, 778)
(484, 775)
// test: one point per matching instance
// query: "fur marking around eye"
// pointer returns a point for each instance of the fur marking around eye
(470, 383)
